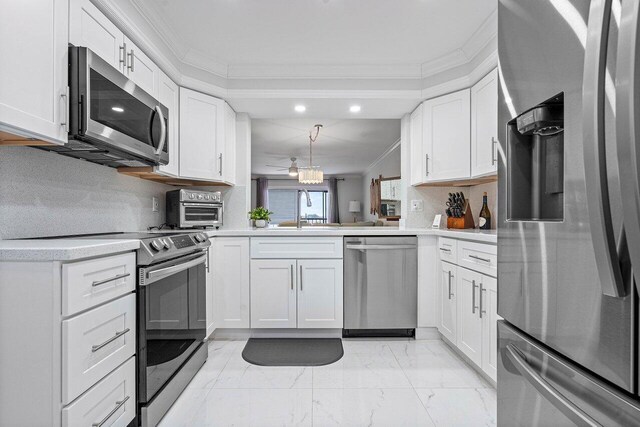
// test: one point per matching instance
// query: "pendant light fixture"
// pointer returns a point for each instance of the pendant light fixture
(311, 174)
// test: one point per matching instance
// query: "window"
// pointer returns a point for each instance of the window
(283, 204)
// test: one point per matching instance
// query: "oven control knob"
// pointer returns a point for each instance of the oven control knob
(199, 196)
(200, 237)
(191, 195)
(166, 243)
(156, 245)
(206, 196)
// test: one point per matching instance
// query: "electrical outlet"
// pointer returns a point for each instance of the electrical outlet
(155, 205)
(417, 205)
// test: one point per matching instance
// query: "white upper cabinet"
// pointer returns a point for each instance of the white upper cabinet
(141, 69)
(416, 144)
(227, 152)
(484, 125)
(169, 96)
(446, 137)
(201, 134)
(33, 69)
(88, 27)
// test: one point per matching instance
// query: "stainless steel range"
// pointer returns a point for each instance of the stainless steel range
(171, 316)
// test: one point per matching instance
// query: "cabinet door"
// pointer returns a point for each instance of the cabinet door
(447, 321)
(484, 125)
(90, 28)
(33, 68)
(169, 96)
(320, 293)
(447, 137)
(231, 282)
(469, 321)
(200, 125)
(228, 152)
(416, 143)
(489, 310)
(141, 69)
(210, 304)
(273, 293)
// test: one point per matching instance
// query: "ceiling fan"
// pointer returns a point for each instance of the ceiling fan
(293, 169)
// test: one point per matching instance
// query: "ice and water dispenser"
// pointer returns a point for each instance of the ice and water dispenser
(535, 163)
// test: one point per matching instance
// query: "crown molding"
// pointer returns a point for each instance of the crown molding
(322, 94)
(323, 71)
(383, 156)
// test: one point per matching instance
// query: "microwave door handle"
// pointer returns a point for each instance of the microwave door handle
(628, 128)
(163, 131)
(598, 202)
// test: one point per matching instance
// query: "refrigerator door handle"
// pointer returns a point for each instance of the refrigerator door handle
(628, 128)
(570, 410)
(598, 202)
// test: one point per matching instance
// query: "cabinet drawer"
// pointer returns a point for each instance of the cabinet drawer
(448, 249)
(111, 402)
(479, 257)
(296, 247)
(95, 343)
(86, 284)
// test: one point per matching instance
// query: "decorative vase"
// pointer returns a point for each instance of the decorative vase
(261, 223)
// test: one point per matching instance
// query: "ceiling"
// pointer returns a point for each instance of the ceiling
(344, 146)
(236, 34)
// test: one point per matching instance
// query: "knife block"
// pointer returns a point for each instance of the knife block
(466, 221)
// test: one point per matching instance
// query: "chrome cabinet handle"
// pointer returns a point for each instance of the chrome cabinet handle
(220, 166)
(450, 276)
(426, 164)
(123, 55)
(556, 398)
(97, 347)
(480, 296)
(473, 297)
(445, 250)
(113, 279)
(163, 131)
(493, 151)
(65, 97)
(131, 65)
(110, 414)
(479, 258)
(301, 278)
(594, 151)
(291, 268)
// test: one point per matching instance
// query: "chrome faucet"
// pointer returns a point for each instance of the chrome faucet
(298, 221)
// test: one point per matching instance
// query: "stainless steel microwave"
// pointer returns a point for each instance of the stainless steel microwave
(112, 121)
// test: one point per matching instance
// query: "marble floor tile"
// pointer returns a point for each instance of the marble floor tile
(254, 407)
(183, 411)
(219, 354)
(372, 367)
(368, 407)
(432, 364)
(238, 373)
(460, 407)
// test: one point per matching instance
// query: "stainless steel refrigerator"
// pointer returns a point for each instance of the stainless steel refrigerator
(568, 212)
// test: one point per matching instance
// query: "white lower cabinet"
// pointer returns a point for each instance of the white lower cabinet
(288, 293)
(320, 293)
(231, 282)
(273, 293)
(448, 301)
(209, 304)
(468, 308)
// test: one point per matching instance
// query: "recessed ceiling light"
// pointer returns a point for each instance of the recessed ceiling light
(300, 108)
(118, 109)
(354, 108)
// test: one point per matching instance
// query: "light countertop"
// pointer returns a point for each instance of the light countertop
(62, 249)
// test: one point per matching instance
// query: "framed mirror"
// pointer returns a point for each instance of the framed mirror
(389, 197)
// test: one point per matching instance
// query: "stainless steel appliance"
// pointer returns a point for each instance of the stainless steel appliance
(111, 120)
(191, 209)
(380, 286)
(567, 237)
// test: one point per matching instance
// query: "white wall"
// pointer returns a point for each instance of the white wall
(389, 165)
(349, 188)
(47, 194)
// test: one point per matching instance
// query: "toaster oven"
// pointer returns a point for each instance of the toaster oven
(194, 209)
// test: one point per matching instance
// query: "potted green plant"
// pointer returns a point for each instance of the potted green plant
(260, 216)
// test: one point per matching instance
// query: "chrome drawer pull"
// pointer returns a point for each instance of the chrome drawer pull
(446, 250)
(480, 259)
(97, 347)
(482, 310)
(113, 411)
(114, 278)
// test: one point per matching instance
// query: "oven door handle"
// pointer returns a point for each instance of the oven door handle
(155, 275)
(203, 205)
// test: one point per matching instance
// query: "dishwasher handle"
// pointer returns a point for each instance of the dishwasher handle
(380, 247)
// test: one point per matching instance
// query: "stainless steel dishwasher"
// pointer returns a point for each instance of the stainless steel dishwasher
(380, 286)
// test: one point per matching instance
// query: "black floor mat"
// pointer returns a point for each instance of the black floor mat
(293, 351)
